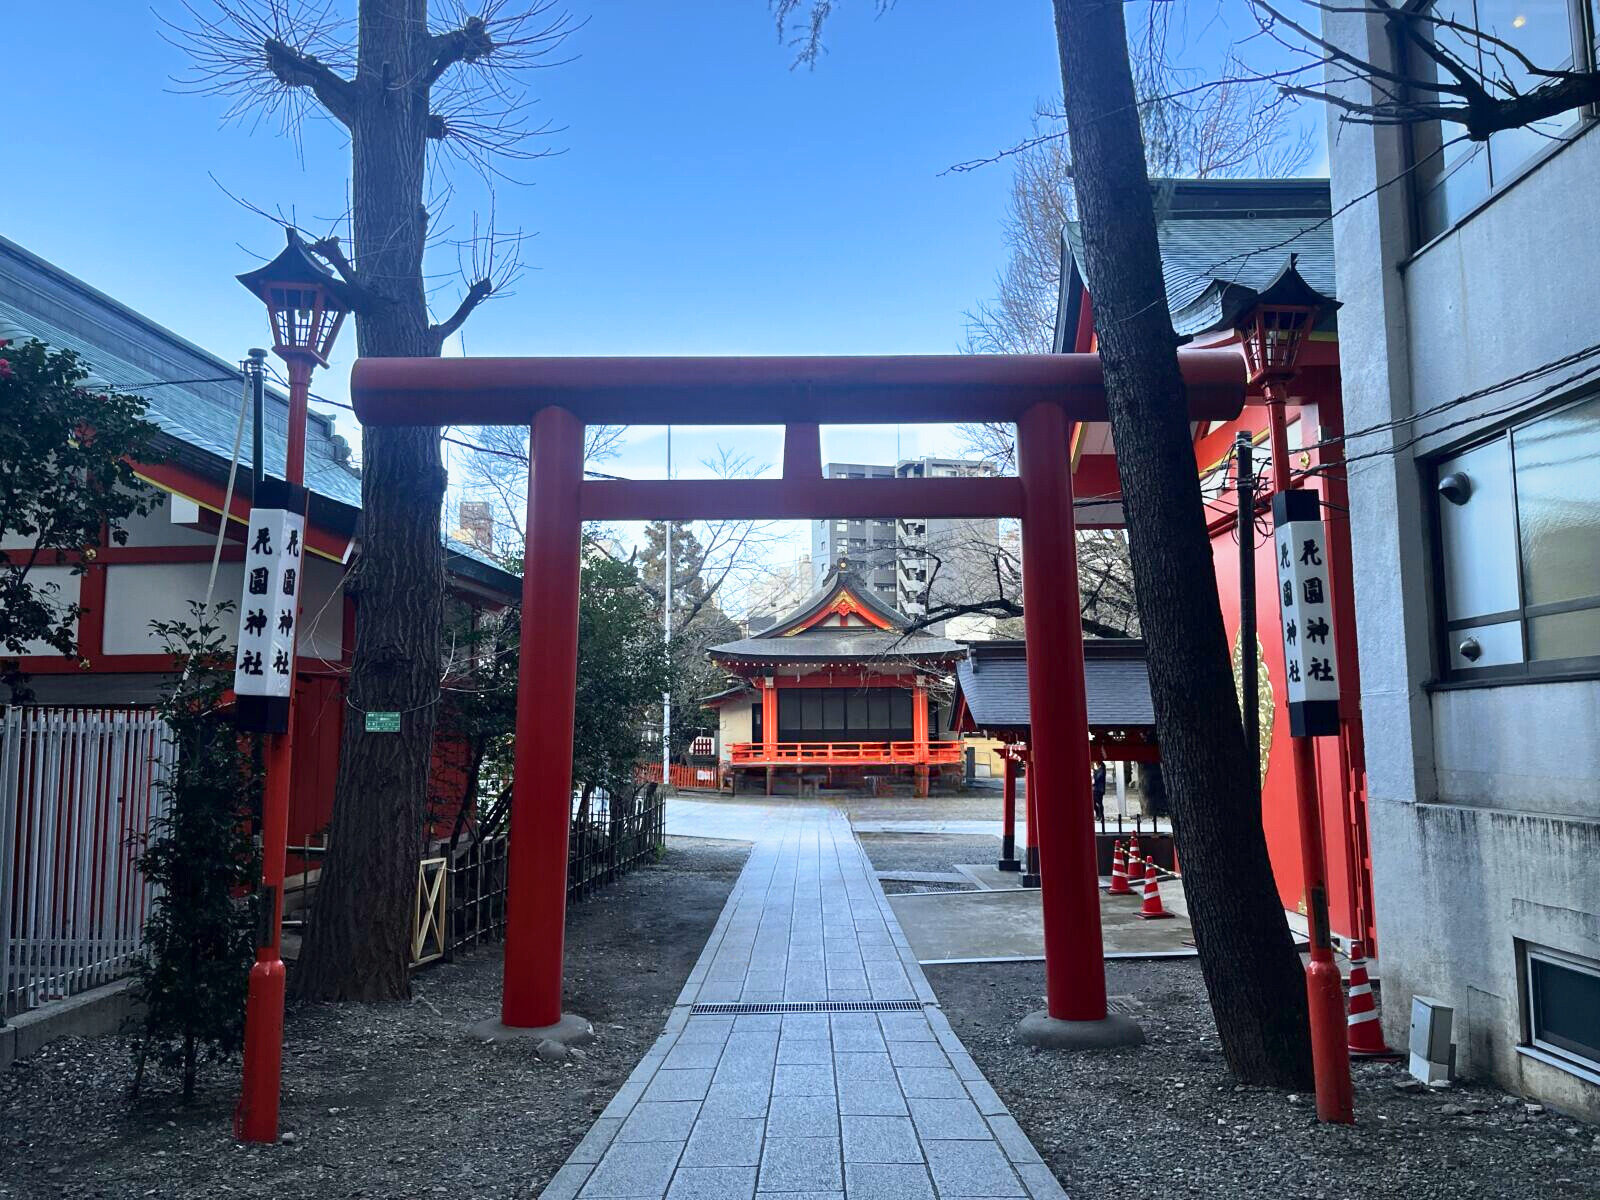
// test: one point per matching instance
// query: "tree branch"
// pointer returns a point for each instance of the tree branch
(476, 295)
(467, 44)
(294, 69)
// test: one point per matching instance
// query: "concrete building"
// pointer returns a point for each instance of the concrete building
(911, 563)
(1470, 277)
(868, 545)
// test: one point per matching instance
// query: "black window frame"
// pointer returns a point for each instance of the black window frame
(1529, 670)
(1531, 953)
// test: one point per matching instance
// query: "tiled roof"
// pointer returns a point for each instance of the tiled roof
(993, 680)
(1224, 240)
(853, 643)
(127, 350)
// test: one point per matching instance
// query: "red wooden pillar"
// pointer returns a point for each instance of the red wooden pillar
(919, 734)
(1030, 852)
(1008, 840)
(541, 788)
(769, 726)
(1058, 776)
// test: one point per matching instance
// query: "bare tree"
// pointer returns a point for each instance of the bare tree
(493, 467)
(1446, 70)
(397, 84)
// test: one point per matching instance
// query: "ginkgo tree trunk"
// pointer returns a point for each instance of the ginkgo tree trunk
(401, 89)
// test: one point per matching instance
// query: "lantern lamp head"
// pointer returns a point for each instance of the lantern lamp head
(306, 302)
(1274, 328)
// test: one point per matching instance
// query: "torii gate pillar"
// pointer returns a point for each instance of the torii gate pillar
(1075, 1016)
(541, 786)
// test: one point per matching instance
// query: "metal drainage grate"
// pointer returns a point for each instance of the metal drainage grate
(806, 1006)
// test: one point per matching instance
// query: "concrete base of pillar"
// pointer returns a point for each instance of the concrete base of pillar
(571, 1030)
(1008, 864)
(1048, 1033)
(1030, 880)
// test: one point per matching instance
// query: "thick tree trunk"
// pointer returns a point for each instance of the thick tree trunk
(1252, 972)
(358, 943)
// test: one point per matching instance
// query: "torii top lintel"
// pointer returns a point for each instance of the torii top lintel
(764, 391)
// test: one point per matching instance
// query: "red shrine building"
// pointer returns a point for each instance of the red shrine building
(1229, 248)
(836, 691)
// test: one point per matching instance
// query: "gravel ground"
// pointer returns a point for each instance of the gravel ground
(384, 1100)
(1165, 1119)
(976, 805)
(925, 852)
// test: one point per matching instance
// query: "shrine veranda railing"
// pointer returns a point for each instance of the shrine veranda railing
(932, 753)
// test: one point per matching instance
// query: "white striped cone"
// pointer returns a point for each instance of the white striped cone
(1135, 867)
(1119, 872)
(1152, 909)
(1365, 1034)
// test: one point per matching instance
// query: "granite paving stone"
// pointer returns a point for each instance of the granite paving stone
(795, 1164)
(971, 1169)
(724, 1142)
(713, 1183)
(948, 1119)
(931, 1083)
(653, 1121)
(634, 1169)
(880, 1140)
(885, 1181)
(803, 1116)
(688, 1084)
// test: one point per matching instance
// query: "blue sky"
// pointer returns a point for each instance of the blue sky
(708, 200)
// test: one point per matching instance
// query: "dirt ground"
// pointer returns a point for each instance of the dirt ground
(1165, 1119)
(384, 1100)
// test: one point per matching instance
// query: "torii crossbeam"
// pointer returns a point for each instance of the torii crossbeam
(1044, 395)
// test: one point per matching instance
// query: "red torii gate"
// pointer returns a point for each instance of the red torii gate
(1042, 394)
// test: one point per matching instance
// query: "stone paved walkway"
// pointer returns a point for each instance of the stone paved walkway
(869, 1105)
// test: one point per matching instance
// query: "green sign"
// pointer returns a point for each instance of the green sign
(383, 722)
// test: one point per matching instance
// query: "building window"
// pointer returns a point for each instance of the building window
(1562, 1005)
(1518, 526)
(1453, 174)
(844, 714)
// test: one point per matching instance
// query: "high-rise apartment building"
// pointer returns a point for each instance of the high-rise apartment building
(910, 562)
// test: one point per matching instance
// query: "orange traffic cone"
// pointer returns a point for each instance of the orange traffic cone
(1135, 865)
(1119, 872)
(1365, 1033)
(1152, 909)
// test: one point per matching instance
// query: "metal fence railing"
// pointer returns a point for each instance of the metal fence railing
(608, 838)
(79, 791)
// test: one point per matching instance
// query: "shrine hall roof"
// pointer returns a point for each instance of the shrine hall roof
(852, 644)
(801, 637)
(1222, 242)
(992, 682)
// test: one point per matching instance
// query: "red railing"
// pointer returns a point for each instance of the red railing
(845, 753)
(682, 777)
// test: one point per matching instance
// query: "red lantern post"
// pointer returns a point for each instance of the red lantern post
(1272, 334)
(306, 305)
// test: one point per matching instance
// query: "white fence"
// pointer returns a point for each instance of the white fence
(79, 791)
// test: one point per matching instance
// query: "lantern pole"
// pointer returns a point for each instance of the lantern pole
(1249, 680)
(1271, 337)
(306, 307)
